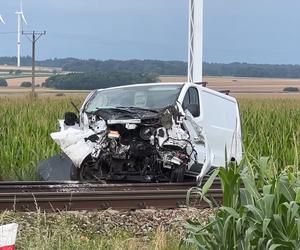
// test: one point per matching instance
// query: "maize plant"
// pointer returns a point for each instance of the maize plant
(251, 217)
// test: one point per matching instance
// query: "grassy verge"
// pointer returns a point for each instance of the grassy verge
(71, 231)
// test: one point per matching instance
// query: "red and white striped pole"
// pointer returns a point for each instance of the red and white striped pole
(8, 235)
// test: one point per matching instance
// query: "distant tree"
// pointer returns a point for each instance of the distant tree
(26, 84)
(163, 67)
(291, 89)
(96, 80)
(3, 82)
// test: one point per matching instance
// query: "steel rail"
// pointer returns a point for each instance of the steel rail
(74, 196)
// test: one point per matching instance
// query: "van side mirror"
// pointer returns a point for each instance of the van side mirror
(194, 109)
(71, 119)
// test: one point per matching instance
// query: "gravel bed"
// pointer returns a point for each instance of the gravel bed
(139, 223)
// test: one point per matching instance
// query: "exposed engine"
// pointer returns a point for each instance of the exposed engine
(149, 148)
(128, 144)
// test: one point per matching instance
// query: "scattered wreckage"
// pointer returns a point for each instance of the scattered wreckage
(147, 133)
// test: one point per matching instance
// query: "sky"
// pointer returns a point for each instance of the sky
(253, 31)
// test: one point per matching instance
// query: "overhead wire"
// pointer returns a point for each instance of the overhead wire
(8, 33)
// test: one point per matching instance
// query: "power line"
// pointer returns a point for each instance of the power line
(35, 37)
(8, 33)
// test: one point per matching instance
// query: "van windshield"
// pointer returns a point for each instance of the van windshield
(148, 97)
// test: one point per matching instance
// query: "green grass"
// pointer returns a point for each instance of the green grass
(68, 231)
(271, 128)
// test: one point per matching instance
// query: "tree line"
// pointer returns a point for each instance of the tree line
(163, 67)
(97, 80)
(91, 65)
(251, 70)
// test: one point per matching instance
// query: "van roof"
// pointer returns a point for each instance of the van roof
(146, 84)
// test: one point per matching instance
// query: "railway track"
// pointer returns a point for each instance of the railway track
(74, 196)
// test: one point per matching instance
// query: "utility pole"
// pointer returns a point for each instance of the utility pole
(35, 37)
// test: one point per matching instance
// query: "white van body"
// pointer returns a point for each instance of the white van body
(212, 135)
(220, 120)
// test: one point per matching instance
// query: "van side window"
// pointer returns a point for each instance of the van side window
(191, 102)
(194, 96)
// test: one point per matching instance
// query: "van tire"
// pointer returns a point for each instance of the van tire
(177, 174)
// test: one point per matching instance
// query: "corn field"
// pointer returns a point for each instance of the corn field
(271, 128)
(25, 127)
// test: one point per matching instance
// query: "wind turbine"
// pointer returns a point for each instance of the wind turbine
(2, 20)
(195, 58)
(21, 18)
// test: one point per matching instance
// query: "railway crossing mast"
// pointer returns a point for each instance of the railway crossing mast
(195, 56)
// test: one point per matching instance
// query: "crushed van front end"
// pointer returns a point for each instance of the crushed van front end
(130, 144)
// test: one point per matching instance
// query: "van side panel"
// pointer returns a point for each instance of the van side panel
(222, 126)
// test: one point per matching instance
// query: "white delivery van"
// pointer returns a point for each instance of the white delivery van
(149, 133)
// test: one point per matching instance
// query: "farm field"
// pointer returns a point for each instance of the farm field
(239, 86)
(271, 135)
(23, 92)
(271, 128)
(242, 86)
(7, 68)
(16, 82)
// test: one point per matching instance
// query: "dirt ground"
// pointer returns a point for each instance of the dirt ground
(14, 88)
(16, 82)
(242, 86)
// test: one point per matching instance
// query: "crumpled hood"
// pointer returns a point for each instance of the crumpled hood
(126, 113)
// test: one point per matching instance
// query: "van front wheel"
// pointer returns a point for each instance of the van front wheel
(177, 174)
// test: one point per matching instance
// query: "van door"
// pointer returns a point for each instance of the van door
(191, 105)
